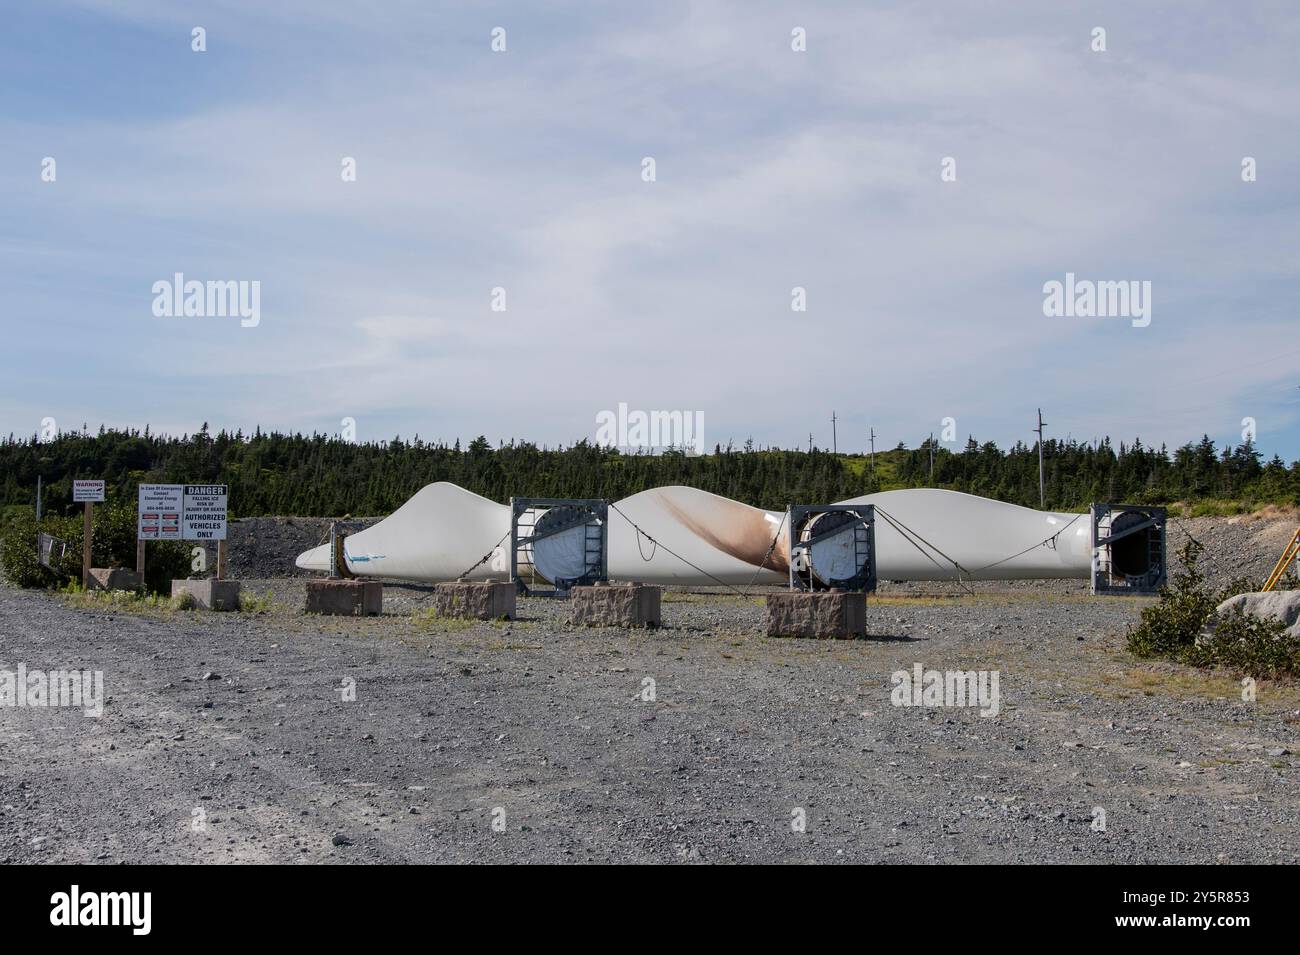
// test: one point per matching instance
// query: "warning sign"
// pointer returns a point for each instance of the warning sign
(87, 491)
(203, 514)
(160, 512)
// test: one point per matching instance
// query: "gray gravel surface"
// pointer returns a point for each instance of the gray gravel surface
(546, 731)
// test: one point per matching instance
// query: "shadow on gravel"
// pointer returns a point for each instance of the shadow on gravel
(865, 638)
(893, 638)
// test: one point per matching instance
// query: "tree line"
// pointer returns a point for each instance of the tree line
(320, 475)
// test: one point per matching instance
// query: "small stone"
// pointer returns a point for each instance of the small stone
(341, 840)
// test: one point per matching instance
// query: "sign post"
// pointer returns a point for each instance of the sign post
(204, 518)
(87, 492)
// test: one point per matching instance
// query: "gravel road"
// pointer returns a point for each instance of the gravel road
(226, 738)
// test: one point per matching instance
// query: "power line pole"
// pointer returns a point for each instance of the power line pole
(1041, 497)
(810, 442)
(931, 457)
(835, 444)
(873, 452)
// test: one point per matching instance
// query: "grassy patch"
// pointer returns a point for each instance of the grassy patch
(1180, 684)
(127, 601)
(251, 602)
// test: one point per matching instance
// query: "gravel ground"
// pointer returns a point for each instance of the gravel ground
(237, 720)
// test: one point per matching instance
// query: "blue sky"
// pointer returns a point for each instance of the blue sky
(775, 169)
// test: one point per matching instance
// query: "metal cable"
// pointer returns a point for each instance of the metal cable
(906, 532)
(671, 551)
(775, 537)
(485, 558)
(1028, 549)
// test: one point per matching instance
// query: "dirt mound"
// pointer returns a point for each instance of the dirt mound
(1244, 546)
(262, 547)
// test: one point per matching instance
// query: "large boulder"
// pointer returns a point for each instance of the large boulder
(1280, 605)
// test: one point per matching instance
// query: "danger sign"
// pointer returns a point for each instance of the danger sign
(203, 512)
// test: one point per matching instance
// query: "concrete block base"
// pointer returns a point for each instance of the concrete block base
(208, 593)
(615, 605)
(475, 600)
(829, 613)
(115, 578)
(345, 598)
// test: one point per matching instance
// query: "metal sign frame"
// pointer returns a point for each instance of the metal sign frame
(864, 544)
(339, 532)
(46, 545)
(1102, 575)
(596, 544)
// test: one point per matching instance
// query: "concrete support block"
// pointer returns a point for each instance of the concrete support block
(115, 578)
(345, 598)
(615, 605)
(827, 613)
(475, 599)
(208, 593)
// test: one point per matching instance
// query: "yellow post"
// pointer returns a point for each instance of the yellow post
(1288, 555)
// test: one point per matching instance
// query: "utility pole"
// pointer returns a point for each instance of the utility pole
(38, 499)
(835, 444)
(810, 442)
(931, 457)
(873, 452)
(1041, 497)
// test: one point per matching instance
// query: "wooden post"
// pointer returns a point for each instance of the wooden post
(139, 556)
(221, 560)
(85, 548)
(1042, 498)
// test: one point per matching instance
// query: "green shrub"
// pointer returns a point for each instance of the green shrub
(1248, 645)
(18, 549)
(1187, 609)
(112, 545)
(1168, 628)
